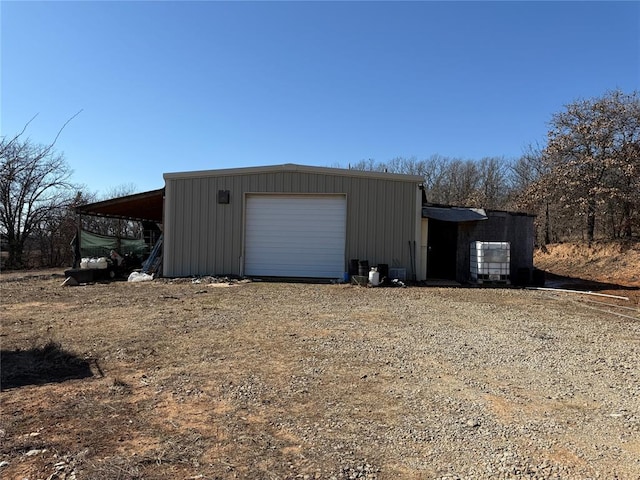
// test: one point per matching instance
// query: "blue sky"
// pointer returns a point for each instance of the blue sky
(178, 86)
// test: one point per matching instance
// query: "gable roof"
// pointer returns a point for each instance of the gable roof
(292, 167)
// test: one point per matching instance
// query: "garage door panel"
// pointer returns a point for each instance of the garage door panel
(292, 238)
(296, 236)
(309, 230)
(288, 248)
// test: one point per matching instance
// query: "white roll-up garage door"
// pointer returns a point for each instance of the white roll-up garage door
(295, 235)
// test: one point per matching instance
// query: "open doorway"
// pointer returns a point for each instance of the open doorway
(442, 241)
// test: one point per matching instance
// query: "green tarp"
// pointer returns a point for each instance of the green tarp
(94, 245)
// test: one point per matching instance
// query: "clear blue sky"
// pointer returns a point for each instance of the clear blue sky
(178, 86)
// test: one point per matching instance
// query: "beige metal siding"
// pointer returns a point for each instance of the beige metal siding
(203, 237)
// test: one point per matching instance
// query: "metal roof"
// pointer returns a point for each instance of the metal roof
(292, 167)
(139, 206)
(454, 214)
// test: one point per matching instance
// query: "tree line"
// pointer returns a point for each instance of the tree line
(582, 184)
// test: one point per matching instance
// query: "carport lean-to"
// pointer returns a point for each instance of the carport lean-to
(146, 207)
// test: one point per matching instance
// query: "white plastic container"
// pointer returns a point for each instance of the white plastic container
(374, 277)
(98, 263)
(490, 262)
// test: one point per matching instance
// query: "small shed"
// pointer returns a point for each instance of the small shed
(450, 231)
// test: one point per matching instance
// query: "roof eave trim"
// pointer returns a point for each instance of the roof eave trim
(117, 200)
(455, 214)
(291, 167)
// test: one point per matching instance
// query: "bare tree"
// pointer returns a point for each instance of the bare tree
(407, 166)
(34, 184)
(463, 182)
(529, 190)
(369, 165)
(592, 158)
(584, 181)
(629, 187)
(435, 178)
(493, 184)
(53, 236)
(527, 169)
(453, 181)
(114, 227)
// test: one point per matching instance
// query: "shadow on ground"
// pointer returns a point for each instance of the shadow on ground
(581, 284)
(40, 365)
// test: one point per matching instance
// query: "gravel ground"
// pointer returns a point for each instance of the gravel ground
(490, 383)
(270, 380)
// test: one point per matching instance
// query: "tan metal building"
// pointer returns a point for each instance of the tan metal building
(291, 221)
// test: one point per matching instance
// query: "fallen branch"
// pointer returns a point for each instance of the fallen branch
(611, 313)
(577, 291)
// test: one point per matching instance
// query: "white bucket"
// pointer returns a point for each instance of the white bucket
(374, 277)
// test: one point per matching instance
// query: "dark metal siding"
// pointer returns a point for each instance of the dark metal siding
(500, 227)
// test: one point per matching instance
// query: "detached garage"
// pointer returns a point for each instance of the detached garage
(290, 221)
(295, 235)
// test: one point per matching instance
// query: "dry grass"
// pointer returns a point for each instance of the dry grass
(252, 381)
(617, 263)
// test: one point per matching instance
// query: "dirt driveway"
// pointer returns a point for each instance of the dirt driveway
(175, 379)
